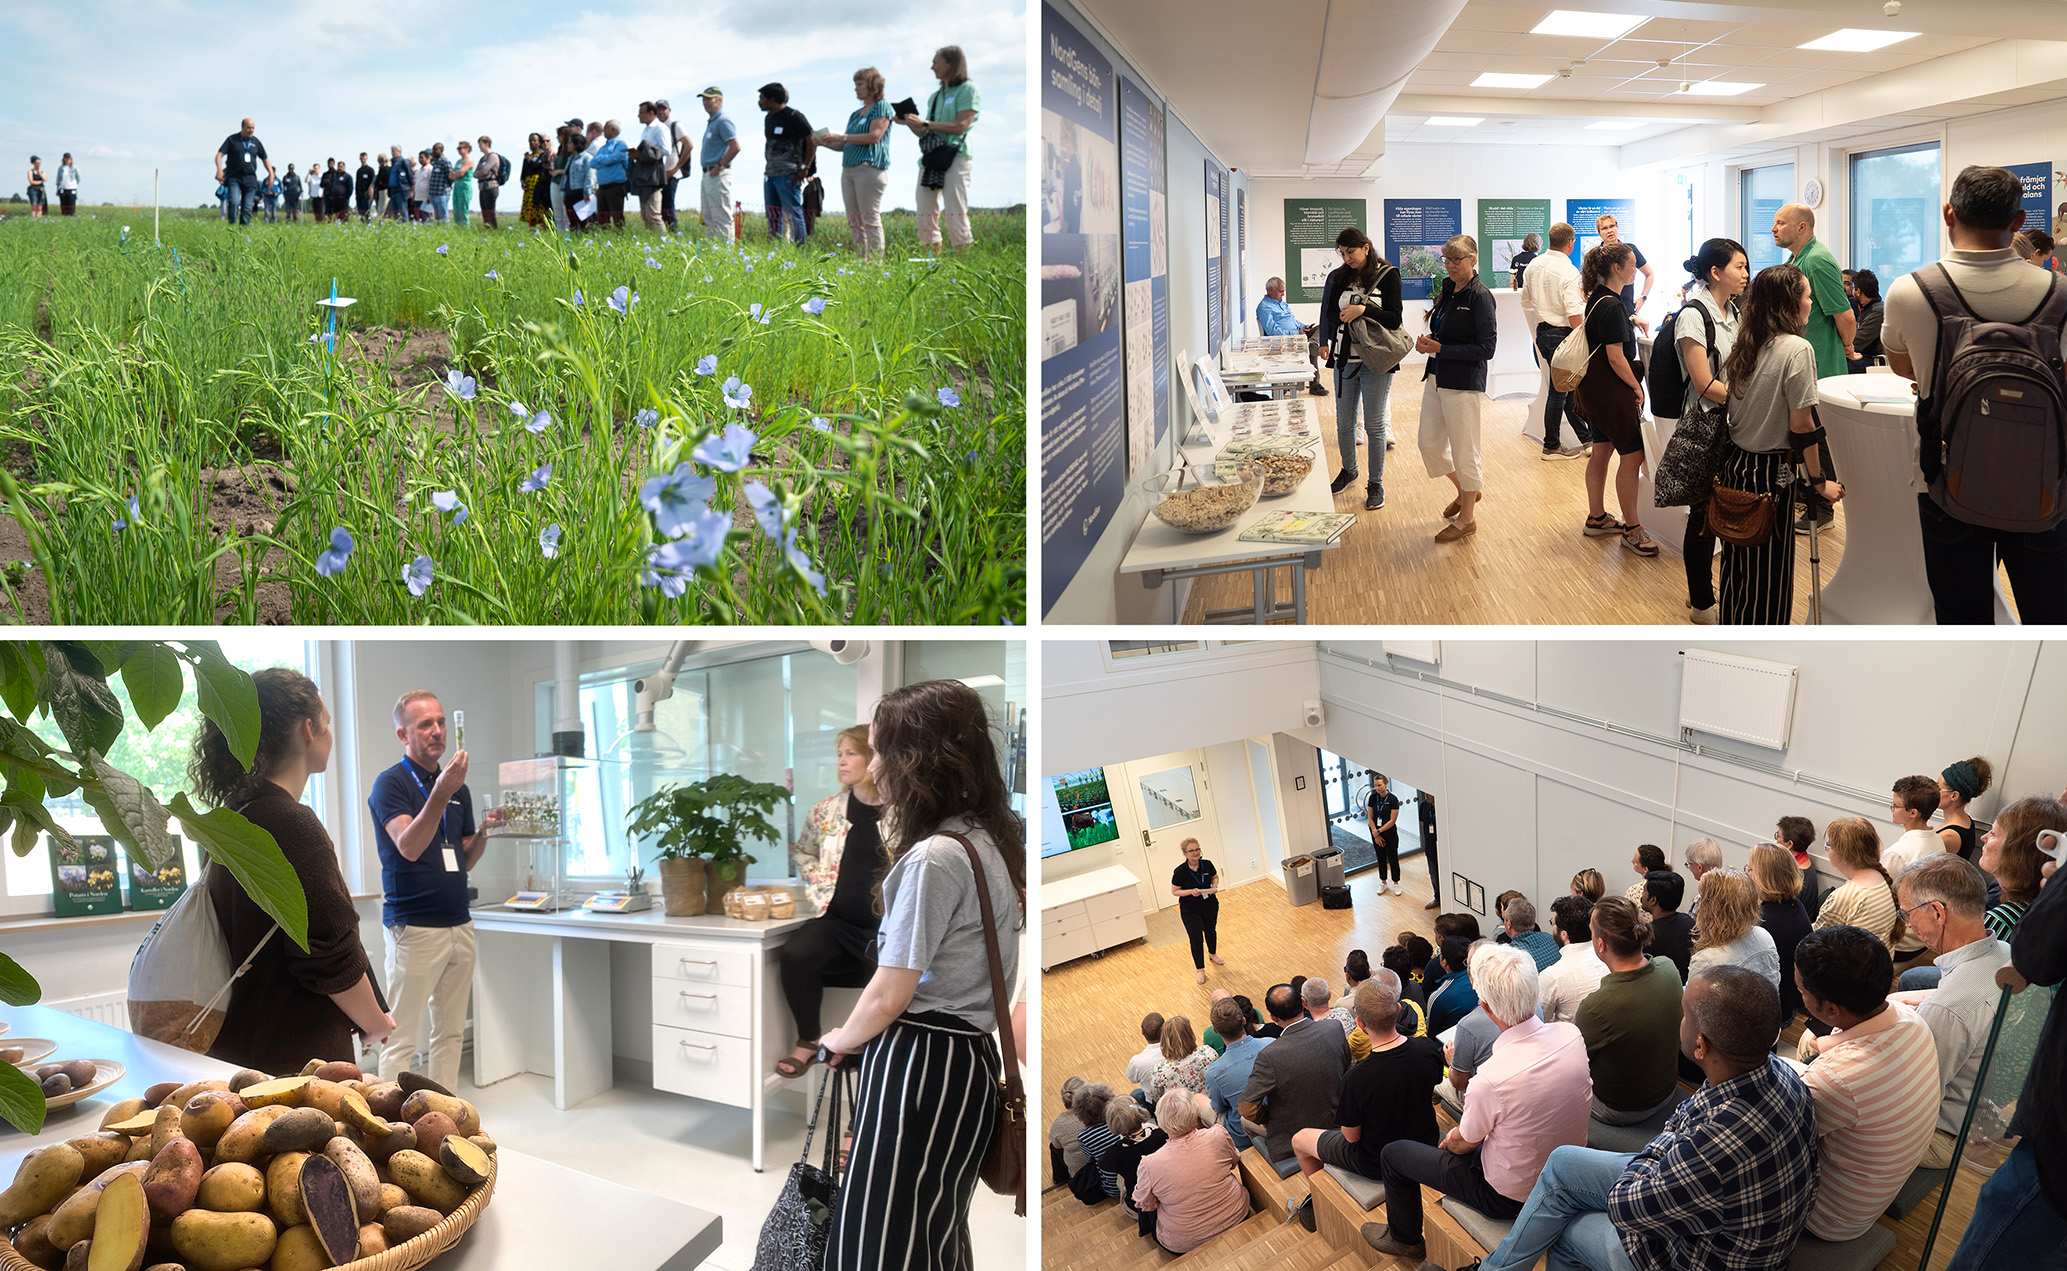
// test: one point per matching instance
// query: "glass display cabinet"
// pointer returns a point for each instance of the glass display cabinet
(567, 816)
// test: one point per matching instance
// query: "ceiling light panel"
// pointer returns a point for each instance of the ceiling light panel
(1603, 26)
(1614, 125)
(1720, 88)
(1855, 40)
(1498, 79)
(1455, 121)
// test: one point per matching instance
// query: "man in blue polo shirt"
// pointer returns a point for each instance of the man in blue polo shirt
(423, 822)
(1275, 317)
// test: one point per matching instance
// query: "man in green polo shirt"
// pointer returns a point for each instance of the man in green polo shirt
(1831, 322)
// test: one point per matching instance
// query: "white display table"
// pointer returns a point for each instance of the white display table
(542, 1214)
(1090, 913)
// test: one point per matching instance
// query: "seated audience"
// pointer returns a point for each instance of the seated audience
(1942, 895)
(1413, 1021)
(1703, 855)
(1874, 1080)
(1138, 1136)
(1781, 914)
(1915, 799)
(1190, 1182)
(1631, 1022)
(1356, 968)
(1454, 998)
(1727, 932)
(1065, 1152)
(1589, 883)
(1384, 1099)
(2009, 851)
(1798, 834)
(1472, 1044)
(1672, 932)
(1405, 961)
(1648, 859)
(1529, 1098)
(1229, 1075)
(1578, 969)
(1249, 1012)
(1293, 1080)
(1728, 1182)
(1141, 1065)
(1271, 1028)
(1091, 1105)
(1500, 905)
(1523, 933)
(1867, 896)
(1184, 1064)
(1446, 925)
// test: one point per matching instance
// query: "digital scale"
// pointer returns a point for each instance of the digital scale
(618, 902)
(533, 901)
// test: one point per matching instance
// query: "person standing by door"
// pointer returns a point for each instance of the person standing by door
(1196, 885)
(1382, 812)
(1435, 878)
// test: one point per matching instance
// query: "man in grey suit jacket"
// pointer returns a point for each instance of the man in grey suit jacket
(1296, 1078)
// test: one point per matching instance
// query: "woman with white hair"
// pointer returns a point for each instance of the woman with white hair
(1190, 1183)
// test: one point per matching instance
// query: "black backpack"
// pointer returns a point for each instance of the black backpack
(1993, 432)
(1665, 380)
(502, 170)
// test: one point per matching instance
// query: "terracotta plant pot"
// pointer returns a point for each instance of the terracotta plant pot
(716, 887)
(683, 885)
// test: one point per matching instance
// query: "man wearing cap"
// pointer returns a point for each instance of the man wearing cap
(720, 148)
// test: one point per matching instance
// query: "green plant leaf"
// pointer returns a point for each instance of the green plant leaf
(17, 986)
(21, 1100)
(155, 682)
(254, 860)
(20, 670)
(85, 709)
(229, 698)
(129, 811)
(31, 817)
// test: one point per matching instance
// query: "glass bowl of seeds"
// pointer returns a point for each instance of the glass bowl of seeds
(1205, 498)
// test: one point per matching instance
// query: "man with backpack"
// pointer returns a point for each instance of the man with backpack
(1552, 290)
(492, 170)
(1980, 334)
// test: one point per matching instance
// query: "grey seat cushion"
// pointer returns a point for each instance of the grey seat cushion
(1285, 1168)
(1489, 1232)
(1630, 1138)
(1860, 1254)
(1368, 1192)
(1920, 1184)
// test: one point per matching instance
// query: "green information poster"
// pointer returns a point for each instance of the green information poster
(1502, 225)
(82, 876)
(1310, 229)
(156, 889)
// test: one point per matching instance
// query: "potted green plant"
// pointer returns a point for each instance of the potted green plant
(699, 832)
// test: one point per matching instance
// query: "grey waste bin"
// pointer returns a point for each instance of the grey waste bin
(1302, 882)
(1329, 861)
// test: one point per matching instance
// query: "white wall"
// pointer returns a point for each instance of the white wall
(1093, 717)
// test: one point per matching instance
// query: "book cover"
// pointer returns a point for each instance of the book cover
(82, 876)
(1315, 529)
(156, 889)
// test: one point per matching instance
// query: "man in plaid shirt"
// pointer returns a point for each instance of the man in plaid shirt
(1725, 1187)
(441, 182)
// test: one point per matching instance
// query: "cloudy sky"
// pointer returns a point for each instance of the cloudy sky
(140, 84)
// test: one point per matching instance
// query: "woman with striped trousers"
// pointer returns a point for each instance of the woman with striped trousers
(928, 1095)
(1771, 371)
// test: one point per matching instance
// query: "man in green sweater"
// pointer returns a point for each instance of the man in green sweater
(1832, 325)
(1631, 1022)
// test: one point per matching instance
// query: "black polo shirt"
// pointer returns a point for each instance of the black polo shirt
(242, 156)
(430, 891)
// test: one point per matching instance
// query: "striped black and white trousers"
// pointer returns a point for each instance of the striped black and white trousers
(924, 1114)
(1758, 582)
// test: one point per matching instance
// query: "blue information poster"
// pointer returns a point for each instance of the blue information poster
(1216, 220)
(1145, 267)
(1583, 215)
(1083, 428)
(1415, 231)
(2037, 180)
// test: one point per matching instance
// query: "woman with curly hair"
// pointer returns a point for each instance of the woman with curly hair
(2009, 852)
(537, 175)
(1728, 933)
(293, 1004)
(927, 1101)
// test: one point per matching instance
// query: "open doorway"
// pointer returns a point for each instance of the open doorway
(1345, 793)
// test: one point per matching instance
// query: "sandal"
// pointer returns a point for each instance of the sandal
(791, 1067)
(1603, 525)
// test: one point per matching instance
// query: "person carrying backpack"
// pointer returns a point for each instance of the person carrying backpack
(1690, 387)
(490, 171)
(1980, 334)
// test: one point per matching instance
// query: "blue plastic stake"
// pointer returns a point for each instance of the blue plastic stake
(329, 348)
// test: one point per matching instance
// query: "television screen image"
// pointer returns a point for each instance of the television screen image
(1077, 790)
(1092, 825)
(1076, 811)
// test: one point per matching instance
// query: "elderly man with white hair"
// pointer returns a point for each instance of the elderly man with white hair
(1190, 1183)
(1702, 856)
(1531, 1097)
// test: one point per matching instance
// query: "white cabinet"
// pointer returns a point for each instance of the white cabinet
(1089, 913)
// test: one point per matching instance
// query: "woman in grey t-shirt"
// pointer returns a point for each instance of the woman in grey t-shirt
(927, 1103)
(1771, 371)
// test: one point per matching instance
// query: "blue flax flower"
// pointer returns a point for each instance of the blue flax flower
(460, 385)
(677, 497)
(729, 450)
(738, 394)
(770, 515)
(121, 524)
(623, 299)
(754, 310)
(652, 263)
(549, 540)
(537, 480)
(333, 561)
(490, 275)
(821, 423)
(671, 584)
(646, 418)
(948, 397)
(443, 248)
(540, 422)
(707, 364)
(701, 539)
(518, 409)
(815, 305)
(417, 574)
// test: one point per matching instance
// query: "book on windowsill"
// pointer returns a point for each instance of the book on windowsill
(1313, 529)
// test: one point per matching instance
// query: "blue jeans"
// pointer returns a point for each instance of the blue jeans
(1558, 406)
(272, 208)
(1918, 978)
(786, 199)
(1567, 1216)
(2012, 1225)
(441, 206)
(243, 196)
(1959, 560)
(1353, 383)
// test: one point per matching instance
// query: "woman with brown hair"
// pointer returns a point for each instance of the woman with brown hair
(1589, 883)
(1649, 857)
(1727, 932)
(1867, 897)
(839, 856)
(2009, 852)
(950, 113)
(928, 1097)
(1781, 914)
(1185, 1060)
(1771, 371)
(1611, 397)
(1366, 274)
(1959, 784)
(1631, 1021)
(293, 1004)
(537, 176)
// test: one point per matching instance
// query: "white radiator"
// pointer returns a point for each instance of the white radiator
(1738, 697)
(111, 1009)
(1429, 651)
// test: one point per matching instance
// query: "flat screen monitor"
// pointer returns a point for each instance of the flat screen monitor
(1078, 812)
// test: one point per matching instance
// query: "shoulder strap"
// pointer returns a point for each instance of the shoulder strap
(1015, 1094)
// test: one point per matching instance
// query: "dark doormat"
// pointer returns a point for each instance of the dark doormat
(1358, 853)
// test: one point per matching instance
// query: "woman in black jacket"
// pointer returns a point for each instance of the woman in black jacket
(1462, 330)
(1363, 273)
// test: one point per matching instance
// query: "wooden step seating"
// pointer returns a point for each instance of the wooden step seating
(1340, 1211)
(1267, 1191)
(1632, 1138)
(1922, 1184)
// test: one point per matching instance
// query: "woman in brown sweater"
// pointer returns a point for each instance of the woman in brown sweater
(294, 1004)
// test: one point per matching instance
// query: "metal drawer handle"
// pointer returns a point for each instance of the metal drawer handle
(698, 961)
(696, 1045)
(708, 997)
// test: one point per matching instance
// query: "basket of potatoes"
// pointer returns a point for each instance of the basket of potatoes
(323, 1169)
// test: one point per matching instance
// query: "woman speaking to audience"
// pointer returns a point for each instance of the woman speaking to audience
(1196, 885)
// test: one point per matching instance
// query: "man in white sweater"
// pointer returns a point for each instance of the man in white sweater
(1578, 969)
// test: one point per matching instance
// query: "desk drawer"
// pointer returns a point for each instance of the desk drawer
(1114, 906)
(704, 963)
(725, 1009)
(703, 1065)
(1063, 920)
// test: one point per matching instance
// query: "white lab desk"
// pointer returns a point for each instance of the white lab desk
(542, 1214)
(1090, 913)
(542, 1003)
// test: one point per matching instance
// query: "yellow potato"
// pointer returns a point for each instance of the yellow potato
(290, 1091)
(391, 1197)
(208, 1115)
(233, 1188)
(245, 1140)
(373, 1238)
(223, 1242)
(121, 1227)
(166, 1126)
(33, 1242)
(408, 1222)
(73, 1220)
(121, 1111)
(424, 1180)
(44, 1177)
(283, 1189)
(358, 1171)
(299, 1250)
(102, 1151)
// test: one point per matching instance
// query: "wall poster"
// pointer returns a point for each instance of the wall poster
(1583, 214)
(1216, 303)
(1311, 226)
(1083, 435)
(1240, 306)
(1415, 231)
(1502, 225)
(2037, 180)
(1145, 266)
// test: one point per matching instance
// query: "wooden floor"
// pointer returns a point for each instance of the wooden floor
(1530, 561)
(1091, 1008)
